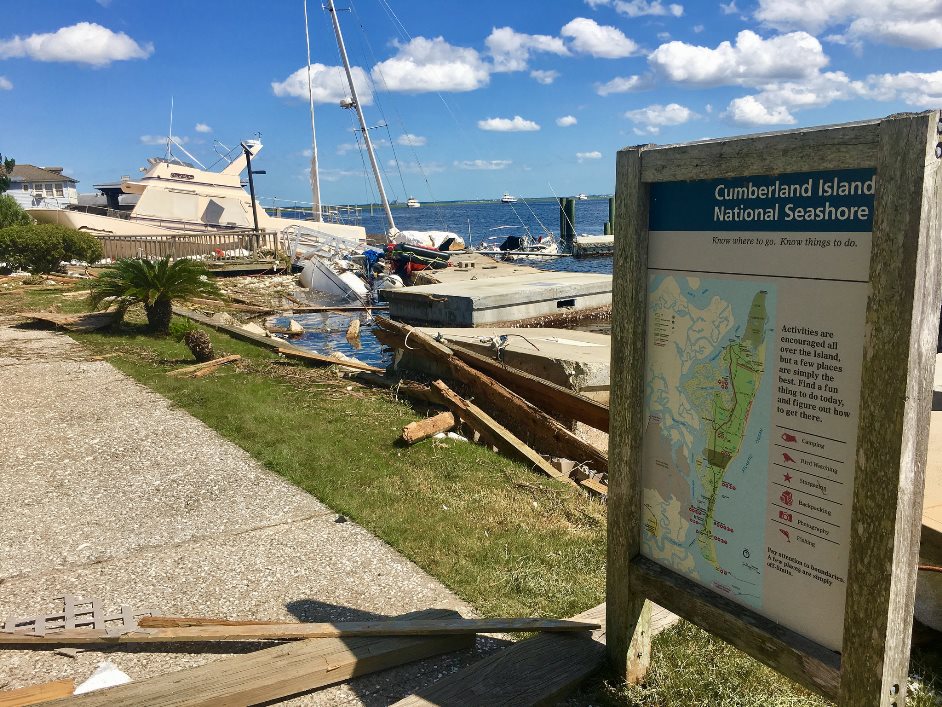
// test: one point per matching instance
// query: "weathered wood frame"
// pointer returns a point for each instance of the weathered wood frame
(896, 390)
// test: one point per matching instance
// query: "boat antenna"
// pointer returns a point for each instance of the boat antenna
(315, 179)
(355, 103)
(170, 132)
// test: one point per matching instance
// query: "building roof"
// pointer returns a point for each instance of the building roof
(32, 173)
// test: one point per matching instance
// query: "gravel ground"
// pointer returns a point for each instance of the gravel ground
(134, 502)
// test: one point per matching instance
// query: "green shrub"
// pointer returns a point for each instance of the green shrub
(11, 213)
(40, 248)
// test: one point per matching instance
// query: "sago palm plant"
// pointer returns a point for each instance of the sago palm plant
(153, 284)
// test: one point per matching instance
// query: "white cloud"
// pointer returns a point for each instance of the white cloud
(589, 37)
(654, 117)
(410, 140)
(621, 84)
(5, 84)
(345, 147)
(483, 164)
(544, 77)
(425, 65)
(910, 23)
(162, 139)
(638, 8)
(510, 50)
(922, 90)
(729, 8)
(566, 121)
(594, 155)
(752, 59)
(329, 84)
(597, 3)
(332, 175)
(82, 43)
(516, 124)
(748, 110)
(203, 128)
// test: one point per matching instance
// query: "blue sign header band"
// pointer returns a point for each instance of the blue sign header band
(832, 201)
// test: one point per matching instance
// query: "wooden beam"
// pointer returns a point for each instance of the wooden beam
(275, 673)
(495, 434)
(537, 671)
(429, 427)
(629, 642)
(235, 332)
(215, 363)
(537, 429)
(34, 694)
(552, 398)
(315, 358)
(289, 631)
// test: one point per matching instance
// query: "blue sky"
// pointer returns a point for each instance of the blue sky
(479, 98)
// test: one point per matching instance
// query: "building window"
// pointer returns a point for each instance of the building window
(59, 191)
(48, 189)
(25, 186)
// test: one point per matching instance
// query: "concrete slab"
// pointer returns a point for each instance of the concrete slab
(502, 299)
(472, 266)
(578, 360)
(108, 491)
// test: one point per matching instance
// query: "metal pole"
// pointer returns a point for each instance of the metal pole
(248, 164)
(315, 178)
(356, 104)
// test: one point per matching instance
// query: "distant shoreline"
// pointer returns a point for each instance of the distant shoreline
(461, 202)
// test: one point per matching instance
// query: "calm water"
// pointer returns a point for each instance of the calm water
(326, 333)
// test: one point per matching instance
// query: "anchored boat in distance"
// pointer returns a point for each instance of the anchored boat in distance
(508, 199)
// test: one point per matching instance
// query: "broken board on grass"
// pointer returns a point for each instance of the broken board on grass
(278, 672)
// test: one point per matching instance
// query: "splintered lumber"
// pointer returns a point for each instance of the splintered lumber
(237, 306)
(553, 398)
(429, 427)
(404, 388)
(495, 434)
(235, 332)
(535, 427)
(291, 631)
(215, 363)
(537, 671)
(34, 694)
(308, 356)
(276, 673)
(178, 621)
(75, 322)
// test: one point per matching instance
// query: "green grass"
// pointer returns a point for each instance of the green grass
(503, 538)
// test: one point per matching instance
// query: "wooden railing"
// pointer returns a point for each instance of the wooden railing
(225, 244)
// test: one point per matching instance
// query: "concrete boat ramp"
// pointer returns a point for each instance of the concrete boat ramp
(512, 298)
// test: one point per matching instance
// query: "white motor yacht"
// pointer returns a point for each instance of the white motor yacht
(508, 199)
(413, 203)
(175, 196)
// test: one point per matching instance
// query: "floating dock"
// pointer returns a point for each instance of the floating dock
(591, 246)
(512, 298)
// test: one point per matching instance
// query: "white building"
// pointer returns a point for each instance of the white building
(44, 187)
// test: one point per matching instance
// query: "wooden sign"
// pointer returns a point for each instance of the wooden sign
(775, 313)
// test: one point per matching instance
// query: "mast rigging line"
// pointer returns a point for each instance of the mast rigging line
(415, 155)
(315, 176)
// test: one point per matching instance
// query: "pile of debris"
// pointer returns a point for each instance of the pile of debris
(301, 657)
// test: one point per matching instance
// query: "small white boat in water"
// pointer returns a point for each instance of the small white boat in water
(335, 278)
(508, 199)
(413, 203)
(582, 197)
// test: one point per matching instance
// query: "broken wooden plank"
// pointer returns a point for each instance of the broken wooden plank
(291, 631)
(535, 427)
(34, 694)
(215, 363)
(400, 387)
(236, 306)
(276, 673)
(429, 427)
(551, 397)
(309, 356)
(495, 434)
(236, 332)
(178, 621)
(537, 671)
(91, 321)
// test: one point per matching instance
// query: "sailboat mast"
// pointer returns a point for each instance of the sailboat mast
(315, 179)
(356, 104)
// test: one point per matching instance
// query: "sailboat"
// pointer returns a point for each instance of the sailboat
(432, 240)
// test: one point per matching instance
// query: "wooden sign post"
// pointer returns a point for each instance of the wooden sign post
(776, 311)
